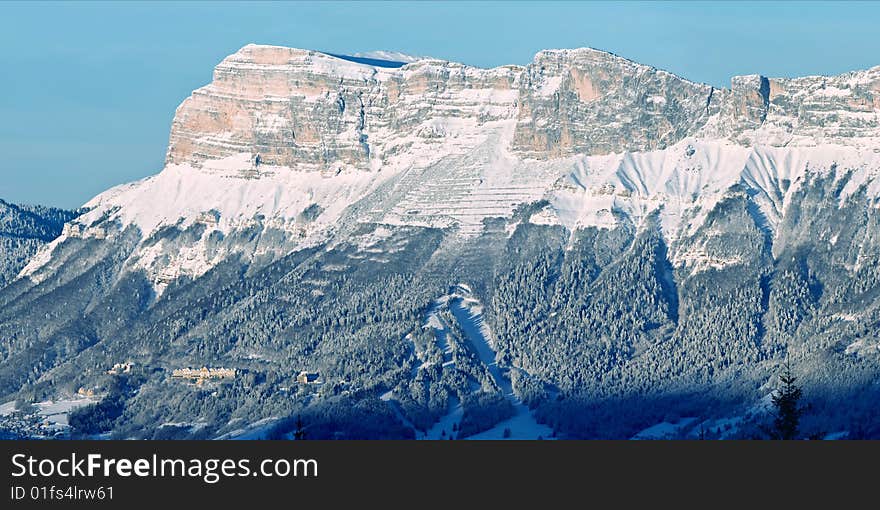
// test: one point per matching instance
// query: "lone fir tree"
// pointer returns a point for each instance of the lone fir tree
(299, 432)
(788, 411)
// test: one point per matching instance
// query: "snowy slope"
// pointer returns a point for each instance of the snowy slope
(686, 180)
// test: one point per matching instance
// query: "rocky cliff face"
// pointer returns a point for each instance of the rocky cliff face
(308, 110)
(23, 231)
(809, 111)
(588, 101)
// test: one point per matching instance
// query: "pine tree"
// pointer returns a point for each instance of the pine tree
(788, 411)
(300, 433)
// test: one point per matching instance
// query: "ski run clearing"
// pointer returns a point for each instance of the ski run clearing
(468, 314)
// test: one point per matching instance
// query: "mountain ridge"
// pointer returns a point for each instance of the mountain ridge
(316, 152)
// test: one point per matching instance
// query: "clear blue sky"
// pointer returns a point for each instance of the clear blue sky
(88, 90)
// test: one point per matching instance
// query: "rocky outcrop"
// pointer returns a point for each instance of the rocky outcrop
(589, 101)
(749, 101)
(807, 111)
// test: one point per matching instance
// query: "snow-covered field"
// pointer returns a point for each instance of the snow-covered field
(256, 430)
(57, 411)
(665, 430)
(7, 408)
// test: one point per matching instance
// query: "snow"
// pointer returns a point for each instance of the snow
(685, 181)
(665, 429)
(291, 60)
(468, 313)
(724, 427)
(478, 178)
(521, 426)
(40, 259)
(181, 193)
(441, 330)
(465, 176)
(549, 86)
(7, 408)
(637, 184)
(192, 426)
(254, 431)
(443, 428)
(765, 403)
(56, 412)
(394, 56)
(395, 408)
(833, 92)
(862, 348)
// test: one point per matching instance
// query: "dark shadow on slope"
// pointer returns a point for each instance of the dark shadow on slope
(666, 277)
(375, 62)
(761, 221)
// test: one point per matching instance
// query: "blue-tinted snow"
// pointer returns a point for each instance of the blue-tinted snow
(370, 61)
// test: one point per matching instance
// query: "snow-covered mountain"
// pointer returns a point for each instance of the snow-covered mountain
(290, 152)
(289, 141)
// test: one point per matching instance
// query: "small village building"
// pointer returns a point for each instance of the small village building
(307, 377)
